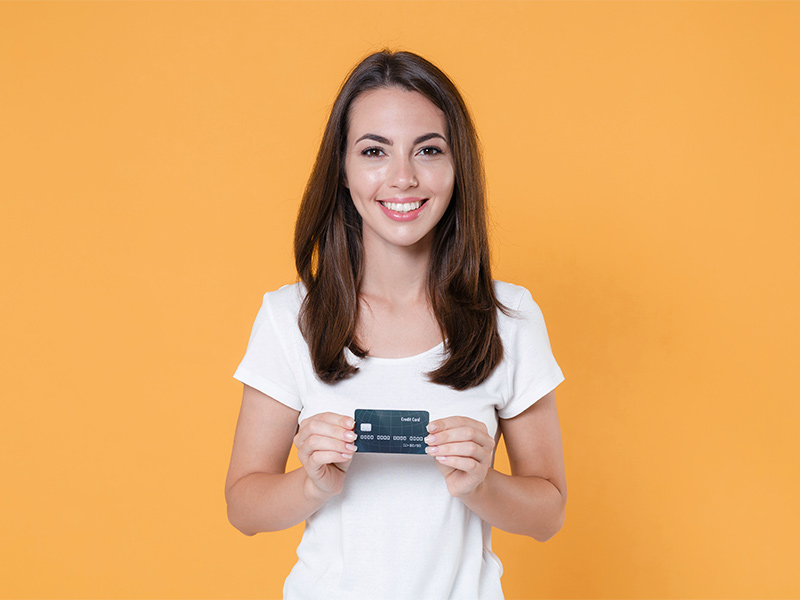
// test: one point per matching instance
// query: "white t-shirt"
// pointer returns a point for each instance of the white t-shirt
(395, 532)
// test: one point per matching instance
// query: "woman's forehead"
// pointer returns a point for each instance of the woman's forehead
(395, 111)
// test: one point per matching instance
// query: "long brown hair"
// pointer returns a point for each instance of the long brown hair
(328, 247)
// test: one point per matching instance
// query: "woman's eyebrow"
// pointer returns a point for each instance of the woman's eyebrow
(374, 137)
(382, 140)
(428, 136)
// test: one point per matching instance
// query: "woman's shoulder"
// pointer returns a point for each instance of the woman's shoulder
(286, 297)
(283, 305)
(512, 296)
(519, 312)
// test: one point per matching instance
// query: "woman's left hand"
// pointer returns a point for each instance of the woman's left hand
(463, 450)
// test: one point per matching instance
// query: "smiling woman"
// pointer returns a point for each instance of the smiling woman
(397, 317)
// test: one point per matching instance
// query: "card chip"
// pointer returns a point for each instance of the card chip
(366, 427)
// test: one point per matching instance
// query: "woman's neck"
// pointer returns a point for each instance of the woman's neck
(395, 317)
(395, 274)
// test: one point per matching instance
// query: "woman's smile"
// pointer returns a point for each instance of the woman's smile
(403, 209)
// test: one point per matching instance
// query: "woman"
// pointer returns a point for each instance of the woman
(397, 310)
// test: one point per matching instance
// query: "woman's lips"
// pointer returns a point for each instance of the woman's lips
(406, 209)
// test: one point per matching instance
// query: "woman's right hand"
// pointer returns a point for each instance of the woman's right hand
(325, 448)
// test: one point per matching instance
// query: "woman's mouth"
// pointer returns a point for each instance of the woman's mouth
(403, 211)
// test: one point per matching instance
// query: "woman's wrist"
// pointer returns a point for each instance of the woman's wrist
(476, 493)
(313, 494)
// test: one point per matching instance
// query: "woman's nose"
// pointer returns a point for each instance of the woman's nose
(402, 174)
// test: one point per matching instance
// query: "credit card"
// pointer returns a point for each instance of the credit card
(391, 431)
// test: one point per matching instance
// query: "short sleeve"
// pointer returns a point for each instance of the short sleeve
(267, 363)
(532, 369)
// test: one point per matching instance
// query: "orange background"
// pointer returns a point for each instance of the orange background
(643, 166)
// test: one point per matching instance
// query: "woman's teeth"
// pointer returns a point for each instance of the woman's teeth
(402, 207)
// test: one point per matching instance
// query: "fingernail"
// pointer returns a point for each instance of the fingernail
(350, 436)
(430, 439)
(432, 427)
(350, 423)
(431, 449)
(441, 458)
(347, 456)
(350, 447)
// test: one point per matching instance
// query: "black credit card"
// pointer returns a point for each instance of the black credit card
(391, 431)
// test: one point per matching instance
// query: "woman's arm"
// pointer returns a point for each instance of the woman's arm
(261, 496)
(532, 500)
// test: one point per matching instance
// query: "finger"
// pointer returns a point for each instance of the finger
(332, 419)
(337, 419)
(318, 427)
(316, 460)
(326, 424)
(455, 422)
(319, 459)
(461, 434)
(319, 443)
(446, 423)
(466, 449)
(461, 463)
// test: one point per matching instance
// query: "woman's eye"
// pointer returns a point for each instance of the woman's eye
(430, 151)
(372, 152)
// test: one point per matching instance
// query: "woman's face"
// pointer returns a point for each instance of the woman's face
(398, 166)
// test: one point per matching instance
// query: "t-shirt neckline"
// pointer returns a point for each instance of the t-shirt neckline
(436, 349)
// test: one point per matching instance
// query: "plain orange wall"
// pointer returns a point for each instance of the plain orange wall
(643, 165)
